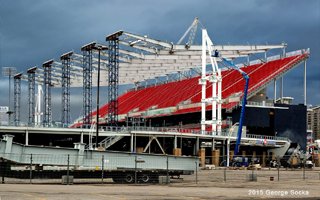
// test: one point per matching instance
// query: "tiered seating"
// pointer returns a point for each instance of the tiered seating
(173, 93)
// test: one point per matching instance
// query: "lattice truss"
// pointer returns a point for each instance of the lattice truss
(142, 58)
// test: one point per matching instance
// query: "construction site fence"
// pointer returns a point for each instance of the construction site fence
(251, 169)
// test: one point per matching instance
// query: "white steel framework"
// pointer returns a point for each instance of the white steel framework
(216, 80)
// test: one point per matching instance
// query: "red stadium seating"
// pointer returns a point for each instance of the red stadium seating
(174, 93)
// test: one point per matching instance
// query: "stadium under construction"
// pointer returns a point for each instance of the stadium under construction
(204, 100)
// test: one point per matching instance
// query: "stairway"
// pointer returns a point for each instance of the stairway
(109, 141)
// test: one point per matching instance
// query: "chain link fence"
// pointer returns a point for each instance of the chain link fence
(101, 169)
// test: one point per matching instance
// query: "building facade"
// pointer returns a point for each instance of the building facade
(313, 120)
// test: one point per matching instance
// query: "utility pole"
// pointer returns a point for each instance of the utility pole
(99, 48)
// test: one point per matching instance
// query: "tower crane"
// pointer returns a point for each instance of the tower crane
(192, 30)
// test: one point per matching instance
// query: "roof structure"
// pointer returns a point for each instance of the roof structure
(142, 58)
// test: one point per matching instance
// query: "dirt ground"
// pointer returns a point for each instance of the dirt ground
(210, 185)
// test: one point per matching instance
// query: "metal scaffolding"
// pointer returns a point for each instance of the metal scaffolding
(65, 83)
(17, 98)
(113, 78)
(87, 82)
(47, 120)
(31, 95)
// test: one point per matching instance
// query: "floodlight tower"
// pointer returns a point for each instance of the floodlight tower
(66, 64)
(113, 77)
(17, 98)
(31, 95)
(9, 71)
(47, 120)
(87, 82)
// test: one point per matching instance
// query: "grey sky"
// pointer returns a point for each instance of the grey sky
(33, 31)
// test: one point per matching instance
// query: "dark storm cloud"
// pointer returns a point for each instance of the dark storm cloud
(34, 31)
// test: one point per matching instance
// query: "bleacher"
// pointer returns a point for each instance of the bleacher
(172, 94)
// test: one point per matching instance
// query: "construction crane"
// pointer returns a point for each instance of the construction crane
(244, 100)
(192, 30)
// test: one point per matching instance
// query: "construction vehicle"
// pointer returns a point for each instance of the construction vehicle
(244, 100)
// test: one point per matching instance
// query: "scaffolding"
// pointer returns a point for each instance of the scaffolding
(31, 95)
(47, 120)
(87, 82)
(113, 78)
(17, 98)
(65, 84)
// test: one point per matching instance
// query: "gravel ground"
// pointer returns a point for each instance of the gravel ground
(210, 185)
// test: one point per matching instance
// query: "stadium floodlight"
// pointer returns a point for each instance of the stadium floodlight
(99, 48)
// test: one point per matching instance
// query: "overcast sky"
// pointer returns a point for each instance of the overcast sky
(33, 31)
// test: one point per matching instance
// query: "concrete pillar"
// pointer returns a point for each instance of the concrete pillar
(177, 152)
(81, 137)
(175, 142)
(27, 137)
(254, 154)
(273, 156)
(9, 140)
(243, 153)
(139, 149)
(231, 154)
(213, 144)
(263, 159)
(202, 156)
(197, 144)
(131, 143)
(216, 157)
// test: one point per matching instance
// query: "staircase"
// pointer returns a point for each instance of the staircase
(109, 141)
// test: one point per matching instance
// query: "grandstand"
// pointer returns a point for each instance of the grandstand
(167, 111)
(184, 96)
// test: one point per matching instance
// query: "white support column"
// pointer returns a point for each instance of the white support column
(131, 143)
(27, 137)
(203, 83)
(305, 83)
(81, 137)
(275, 90)
(175, 142)
(214, 107)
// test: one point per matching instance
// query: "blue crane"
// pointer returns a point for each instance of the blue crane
(244, 100)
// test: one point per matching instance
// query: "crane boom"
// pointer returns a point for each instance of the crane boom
(244, 102)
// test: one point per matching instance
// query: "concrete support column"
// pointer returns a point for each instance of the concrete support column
(131, 143)
(254, 154)
(197, 144)
(175, 142)
(81, 137)
(243, 153)
(177, 152)
(202, 156)
(27, 137)
(263, 159)
(216, 157)
(213, 144)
